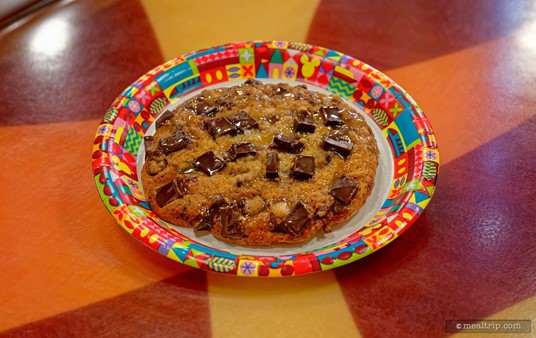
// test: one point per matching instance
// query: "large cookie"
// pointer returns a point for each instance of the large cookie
(260, 164)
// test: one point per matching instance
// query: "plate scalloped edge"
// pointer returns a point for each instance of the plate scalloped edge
(403, 124)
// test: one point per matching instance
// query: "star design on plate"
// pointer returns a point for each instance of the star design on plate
(103, 130)
(247, 268)
(246, 55)
(430, 155)
(289, 72)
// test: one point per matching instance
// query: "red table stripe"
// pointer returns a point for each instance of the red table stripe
(89, 75)
(459, 260)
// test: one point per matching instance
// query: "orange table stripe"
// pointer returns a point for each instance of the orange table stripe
(62, 248)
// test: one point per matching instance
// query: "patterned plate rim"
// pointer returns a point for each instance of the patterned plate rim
(403, 124)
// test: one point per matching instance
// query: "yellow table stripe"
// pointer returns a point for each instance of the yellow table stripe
(184, 26)
(303, 306)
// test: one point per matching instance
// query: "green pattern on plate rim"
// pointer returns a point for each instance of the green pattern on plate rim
(403, 124)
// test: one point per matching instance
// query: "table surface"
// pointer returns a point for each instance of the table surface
(70, 270)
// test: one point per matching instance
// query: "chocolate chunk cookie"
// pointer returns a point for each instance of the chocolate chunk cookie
(259, 164)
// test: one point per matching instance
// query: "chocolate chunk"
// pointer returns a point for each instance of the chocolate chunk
(224, 102)
(344, 189)
(253, 82)
(230, 221)
(175, 142)
(288, 144)
(148, 141)
(170, 192)
(243, 121)
(332, 116)
(220, 127)
(211, 214)
(339, 143)
(238, 150)
(304, 123)
(150, 151)
(296, 220)
(272, 165)
(202, 108)
(272, 118)
(209, 163)
(162, 119)
(241, 203)
(281, 91)
(338, 207)
(304, 167)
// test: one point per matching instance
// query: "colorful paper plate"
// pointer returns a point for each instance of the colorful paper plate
(407, 173)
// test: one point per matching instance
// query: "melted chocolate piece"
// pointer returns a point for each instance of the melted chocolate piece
(241, 203)
(220, 127)
(150, 151)
(211, 214)
(164, 118)
(243, 121)
(344, 189)
(338, 207)
(304, 123)
(230, 221)
(238, 150)
(175, 142)
(202, 108)
(170, 192)
(296, 220)
(288, 144)
(253, 82)
(209, 163)
(332, 116)
(148, 141)
(281, 91)
(304, 167)
(272, 165)
(339, 143)
(272, 118)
